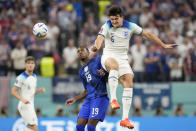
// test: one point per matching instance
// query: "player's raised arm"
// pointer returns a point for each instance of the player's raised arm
(156, 40)
(98, 43)
(71, 101)
(15, 94)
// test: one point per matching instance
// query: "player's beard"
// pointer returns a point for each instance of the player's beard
(83, 59)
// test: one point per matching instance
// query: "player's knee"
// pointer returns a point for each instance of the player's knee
(82, 121)
(92, 122)
(32, 127)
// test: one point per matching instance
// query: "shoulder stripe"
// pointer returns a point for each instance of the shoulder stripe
(109, 24)
(127, 24)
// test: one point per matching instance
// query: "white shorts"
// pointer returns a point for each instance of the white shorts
(124, 67)
(28, 114)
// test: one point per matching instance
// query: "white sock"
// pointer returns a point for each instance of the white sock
(113, 83)
(126, 101)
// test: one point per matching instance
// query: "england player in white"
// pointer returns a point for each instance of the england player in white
(116, 33)
(26, 83)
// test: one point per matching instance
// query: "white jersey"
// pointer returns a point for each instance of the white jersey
(27, 85)
(117, 39)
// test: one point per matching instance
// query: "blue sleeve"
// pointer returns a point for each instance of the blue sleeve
(83, 80)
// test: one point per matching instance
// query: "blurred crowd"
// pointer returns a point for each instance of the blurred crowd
(76, 22)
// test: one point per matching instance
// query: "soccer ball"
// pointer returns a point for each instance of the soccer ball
(40, 30)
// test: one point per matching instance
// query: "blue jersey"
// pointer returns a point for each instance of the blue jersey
(93, 82)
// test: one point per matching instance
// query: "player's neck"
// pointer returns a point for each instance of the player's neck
(85, 61)
(28, 72)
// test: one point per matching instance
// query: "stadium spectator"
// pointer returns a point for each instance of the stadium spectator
(4, 112)
(137, 111)
(187, 66)
(158, 111)
(138, 52)
(151, 61)
(70, 58)
(194, 113)
(18, 55)
(176, 23)
(179, 110)
(52, 37)
(4, 57)
(59, 111)
(37, 49)
(39, 111)
(66, 17)
(176, 66)
(165, 56)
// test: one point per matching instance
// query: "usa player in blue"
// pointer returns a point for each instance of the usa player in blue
(94, 80)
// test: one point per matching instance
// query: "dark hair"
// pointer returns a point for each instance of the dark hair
(115, 10)
(29, 58)
(84, 47)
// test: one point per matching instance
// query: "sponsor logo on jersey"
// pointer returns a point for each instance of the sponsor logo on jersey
(126, 33)
(86, 69)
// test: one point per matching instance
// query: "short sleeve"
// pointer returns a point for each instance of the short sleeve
(18, 83)
(136, 29)
(103, 31)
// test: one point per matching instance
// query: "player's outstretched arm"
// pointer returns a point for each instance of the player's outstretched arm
(15, 94)
(156, 40)
(98, 43)
(71, 101)
(41, 90)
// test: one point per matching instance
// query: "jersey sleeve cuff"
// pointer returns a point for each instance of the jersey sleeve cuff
(101, 34)
(17, 86)
(140, 32)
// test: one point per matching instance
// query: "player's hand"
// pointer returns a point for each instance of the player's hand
(169, 46)
(69, 102)
(25, 101)
(42, 90)
(101, 72)
(93, 48)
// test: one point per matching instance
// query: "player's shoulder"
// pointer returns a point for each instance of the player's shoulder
(129, 25)
(23, 76)
(107, 24)
(81, 70)
(34, 75)
(96, 59)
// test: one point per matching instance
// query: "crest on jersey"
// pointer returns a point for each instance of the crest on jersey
(126, 33)
(86, 69)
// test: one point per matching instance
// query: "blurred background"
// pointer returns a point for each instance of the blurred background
(164, 82)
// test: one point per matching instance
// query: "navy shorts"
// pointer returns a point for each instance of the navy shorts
(94, 108)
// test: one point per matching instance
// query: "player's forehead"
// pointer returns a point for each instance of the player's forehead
(30, 61)
(81, 49)
(114, 17)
